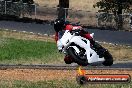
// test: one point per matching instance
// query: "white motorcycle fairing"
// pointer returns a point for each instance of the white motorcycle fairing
(68, 38)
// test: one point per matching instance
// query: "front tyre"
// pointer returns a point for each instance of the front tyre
(83, 62)
(102, 52)
(68, 59)
(108, 59)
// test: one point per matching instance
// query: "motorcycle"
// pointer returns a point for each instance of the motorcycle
(81, 50)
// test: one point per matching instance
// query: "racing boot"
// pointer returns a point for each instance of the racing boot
(68, 59)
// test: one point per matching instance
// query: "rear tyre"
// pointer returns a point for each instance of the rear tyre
(77, 59)
(102, 52)
(108, 59)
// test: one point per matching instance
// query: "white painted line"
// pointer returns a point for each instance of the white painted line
(6, 29)
(53, 35)
(46, 34)
(110, 43)
(96, 41)
(31, 32)
(129, 46)
(15, 2)
(113, 44)
(24, 31)
(104, 42)
(25, 3)
(116, 44)
(8, 1)
(39, 34)
(14, 30)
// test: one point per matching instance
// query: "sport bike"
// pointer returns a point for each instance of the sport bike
(81, 50)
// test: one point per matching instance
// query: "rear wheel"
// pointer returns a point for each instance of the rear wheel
(102, 52)
(77, 58)
(108, 59)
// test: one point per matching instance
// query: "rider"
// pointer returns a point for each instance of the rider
(60, 25)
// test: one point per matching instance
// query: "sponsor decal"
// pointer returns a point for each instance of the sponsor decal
(82, 78)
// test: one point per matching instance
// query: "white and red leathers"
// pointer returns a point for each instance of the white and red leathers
(71, 27)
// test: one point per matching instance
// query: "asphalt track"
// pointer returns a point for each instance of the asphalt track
(116, 66)
(115, 37)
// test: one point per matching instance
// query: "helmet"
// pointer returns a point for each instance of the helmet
(59, 24)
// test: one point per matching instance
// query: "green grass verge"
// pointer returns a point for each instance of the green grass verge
(58, 84)
(119, 52)
(26, 48)
(17, 51)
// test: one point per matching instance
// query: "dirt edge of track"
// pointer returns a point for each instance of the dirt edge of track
(41, 74)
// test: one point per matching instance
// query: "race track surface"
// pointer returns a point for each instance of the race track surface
(115, 37)
(116, 66)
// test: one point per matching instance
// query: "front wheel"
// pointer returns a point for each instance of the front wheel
(71, 51)
(68, 59)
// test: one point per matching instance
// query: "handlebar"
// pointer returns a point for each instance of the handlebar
(76, 32)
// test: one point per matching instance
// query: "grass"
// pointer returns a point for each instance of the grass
(25, 48)
(119, 52)
(24, 36)
(23, 51)
(57, 84)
